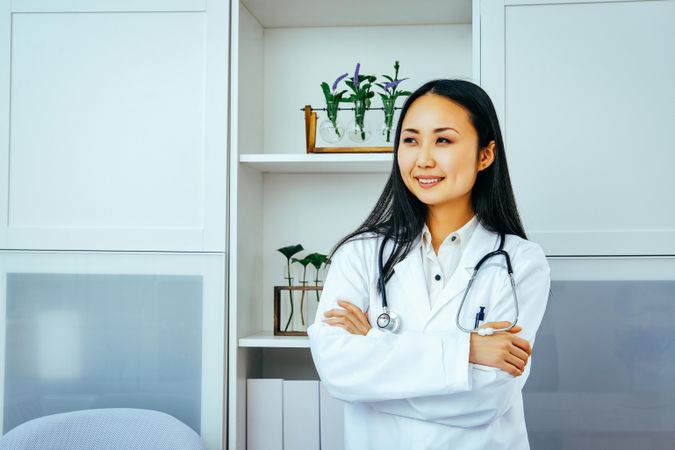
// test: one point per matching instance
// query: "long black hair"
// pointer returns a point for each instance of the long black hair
(399, 215)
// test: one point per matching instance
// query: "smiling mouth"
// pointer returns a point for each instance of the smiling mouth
(428, 182)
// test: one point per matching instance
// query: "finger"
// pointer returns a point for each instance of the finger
(496, 325)
(360, 318)
(352, 317)
(340, 322)
(335, 313)
(520, 354)
(515, 361)
(521, 343)
(510, 368)
(516, 329)
(350, 306)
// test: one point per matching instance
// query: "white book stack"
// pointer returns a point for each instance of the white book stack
(264, 414)
(301, 415)
(292, 415)
(332, 421)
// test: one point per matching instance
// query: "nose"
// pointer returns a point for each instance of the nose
(424, 158)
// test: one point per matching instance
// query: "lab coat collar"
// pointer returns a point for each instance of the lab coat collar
(411, 273)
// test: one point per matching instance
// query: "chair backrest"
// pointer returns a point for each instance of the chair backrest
(98, 429)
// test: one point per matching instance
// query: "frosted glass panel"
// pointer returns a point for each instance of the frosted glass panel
(79, 341)
(603, 368)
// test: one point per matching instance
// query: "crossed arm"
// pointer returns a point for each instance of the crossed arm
(456, 386)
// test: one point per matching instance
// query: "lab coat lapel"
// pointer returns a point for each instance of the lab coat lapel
(482, 242)
(410, 273)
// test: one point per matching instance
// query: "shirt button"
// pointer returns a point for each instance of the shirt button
(453, 238)
(437, 277)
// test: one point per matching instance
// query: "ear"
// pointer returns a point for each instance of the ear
(486, 156)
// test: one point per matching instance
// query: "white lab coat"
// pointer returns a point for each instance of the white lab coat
(416, 389)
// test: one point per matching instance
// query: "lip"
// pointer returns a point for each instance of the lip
(428, 185)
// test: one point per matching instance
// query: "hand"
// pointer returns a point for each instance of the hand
(351, 318)
(503, 350)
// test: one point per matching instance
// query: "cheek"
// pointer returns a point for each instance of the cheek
(459, 167)
(406, 163)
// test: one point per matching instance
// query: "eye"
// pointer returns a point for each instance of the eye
(446, 140)
(408, 139)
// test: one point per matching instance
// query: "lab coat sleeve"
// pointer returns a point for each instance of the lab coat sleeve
(492, 391)
(379, 366)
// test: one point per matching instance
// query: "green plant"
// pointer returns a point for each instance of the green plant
(333, 99)
(389, 98)
(304, 262)
(317, 260)
(360, 85)
(288, 252)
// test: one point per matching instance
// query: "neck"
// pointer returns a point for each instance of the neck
(447, 218)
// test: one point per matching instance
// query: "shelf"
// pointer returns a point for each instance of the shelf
(268, 339)
(319, 163)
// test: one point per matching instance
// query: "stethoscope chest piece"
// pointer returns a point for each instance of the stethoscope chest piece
(388, 321)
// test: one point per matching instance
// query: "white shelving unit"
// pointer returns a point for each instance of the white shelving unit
(279, 194)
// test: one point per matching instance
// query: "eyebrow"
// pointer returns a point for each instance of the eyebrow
(437, 130)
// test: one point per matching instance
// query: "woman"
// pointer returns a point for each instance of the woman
(447, 200)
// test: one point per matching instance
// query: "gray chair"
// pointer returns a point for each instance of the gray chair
(103, 429)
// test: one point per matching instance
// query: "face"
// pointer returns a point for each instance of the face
(438, 153)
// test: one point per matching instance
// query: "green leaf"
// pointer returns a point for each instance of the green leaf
(317, 260)
(388, 78)
(326, 89)
(290, 250)
(404, 93)
(304, 261)
(370, 95)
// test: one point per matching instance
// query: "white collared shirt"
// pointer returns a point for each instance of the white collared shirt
(439, 268)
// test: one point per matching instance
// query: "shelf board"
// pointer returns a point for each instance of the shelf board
(319, 163)
(268, 339)
(323, 13)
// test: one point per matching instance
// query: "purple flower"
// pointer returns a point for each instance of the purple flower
(338, 80)
(393, 84)
(356, 75)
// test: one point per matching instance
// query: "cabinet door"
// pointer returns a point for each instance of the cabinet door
(113, 330)
(115, 133)
(603, 362)
(585, 95)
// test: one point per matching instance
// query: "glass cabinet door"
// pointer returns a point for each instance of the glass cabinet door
(603, 363)
(87, 330)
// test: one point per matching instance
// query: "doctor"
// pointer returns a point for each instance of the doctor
(429, 385)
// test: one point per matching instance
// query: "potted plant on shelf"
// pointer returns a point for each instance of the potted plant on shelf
(358, 129)
(288, 252)
(389, 100)
(332, 130)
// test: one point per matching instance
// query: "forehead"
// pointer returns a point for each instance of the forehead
(432, 111)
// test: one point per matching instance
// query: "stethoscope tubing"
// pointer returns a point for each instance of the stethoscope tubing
(389, 321)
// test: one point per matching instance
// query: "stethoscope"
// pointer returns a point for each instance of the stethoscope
(390, 321)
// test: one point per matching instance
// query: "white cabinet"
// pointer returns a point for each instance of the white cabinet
(82, 330)
(585, 94)
(114, 124)
(279, 195)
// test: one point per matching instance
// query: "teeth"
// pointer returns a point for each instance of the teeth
(428, 180)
